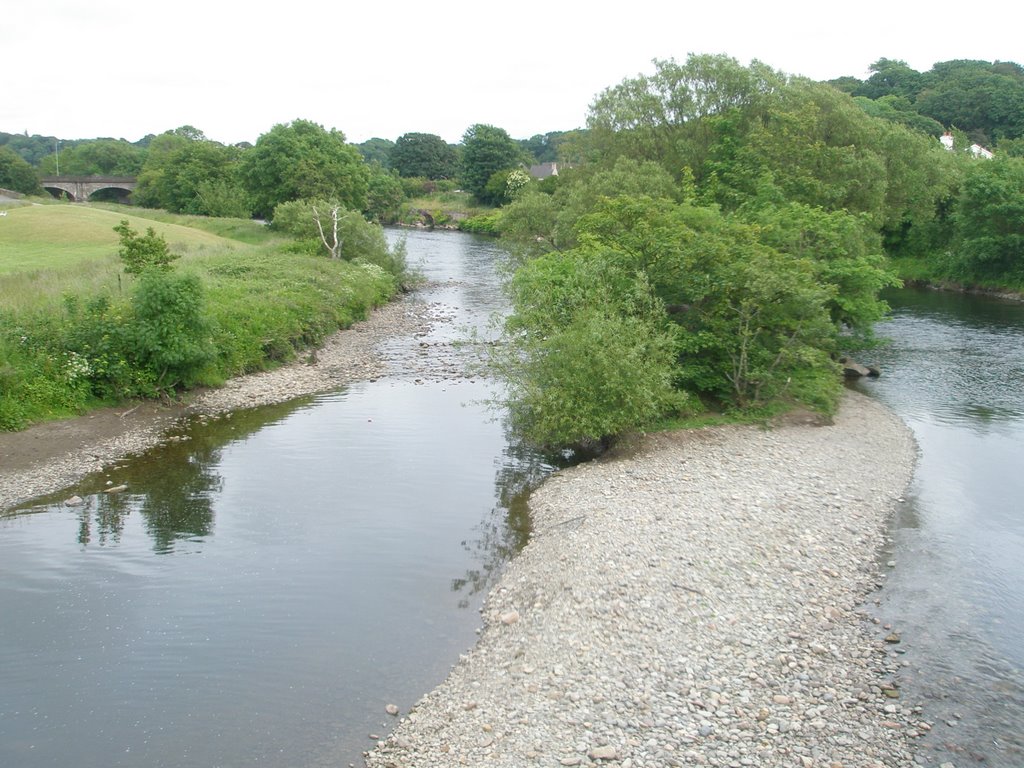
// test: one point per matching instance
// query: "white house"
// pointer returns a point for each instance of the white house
(976, 149)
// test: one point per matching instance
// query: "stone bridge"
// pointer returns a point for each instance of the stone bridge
(80, 188)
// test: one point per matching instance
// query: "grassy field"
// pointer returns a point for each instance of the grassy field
(59, 236)
(48, 251)
(73, 332)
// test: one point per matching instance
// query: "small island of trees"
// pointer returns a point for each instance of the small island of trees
(715, 236)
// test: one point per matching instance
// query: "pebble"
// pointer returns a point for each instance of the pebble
(696, 600)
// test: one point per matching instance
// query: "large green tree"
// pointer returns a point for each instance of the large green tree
(426, 155)
(300, 160)
(377, 150)
(486, 150)
(16, 174)
(890, 77)
(185, 174)
(985, 100)
(990, 221)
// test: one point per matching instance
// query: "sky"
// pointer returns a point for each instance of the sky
(124, 69)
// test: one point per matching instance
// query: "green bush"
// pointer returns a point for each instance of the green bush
(170, 333)
(593, 379)
(142, 252)
(355, 239)
(483, 224)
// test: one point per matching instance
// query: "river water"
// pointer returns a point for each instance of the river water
(264, 589)
(954, 371)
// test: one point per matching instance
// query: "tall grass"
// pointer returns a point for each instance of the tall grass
(68, 332)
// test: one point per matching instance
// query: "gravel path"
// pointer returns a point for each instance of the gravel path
(697, 603)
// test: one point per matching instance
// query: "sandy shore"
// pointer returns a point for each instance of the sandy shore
(697, 603)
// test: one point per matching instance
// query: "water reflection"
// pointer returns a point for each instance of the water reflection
(953, 371)
(171, 488)
(507, 529)
(264, 586)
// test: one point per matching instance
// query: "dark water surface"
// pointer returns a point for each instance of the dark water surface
(955, 373)
(265, 588)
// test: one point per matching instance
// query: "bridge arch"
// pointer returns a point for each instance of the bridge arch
(81, 188)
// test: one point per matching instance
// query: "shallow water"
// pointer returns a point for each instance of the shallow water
(955, 373)
(264, 588)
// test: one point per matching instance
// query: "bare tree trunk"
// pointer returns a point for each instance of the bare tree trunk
(333, 247)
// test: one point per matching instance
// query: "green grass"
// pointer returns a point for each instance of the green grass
(66, 306)
(242, 230)
(47, 252)
(62, 236)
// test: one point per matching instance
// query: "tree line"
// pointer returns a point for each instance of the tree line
(183, 171)
(724, 239)
(717, 235)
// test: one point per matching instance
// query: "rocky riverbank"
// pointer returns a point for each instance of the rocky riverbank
(699, 602)
(48, 457)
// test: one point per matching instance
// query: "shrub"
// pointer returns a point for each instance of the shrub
(593, 379)
(141, 252)
(170, 333)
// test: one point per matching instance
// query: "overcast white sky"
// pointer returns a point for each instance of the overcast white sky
(125, 68)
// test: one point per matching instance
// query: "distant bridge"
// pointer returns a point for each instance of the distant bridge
(79, 188)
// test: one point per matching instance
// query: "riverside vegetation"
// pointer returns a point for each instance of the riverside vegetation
(717, 237)
(85, 332)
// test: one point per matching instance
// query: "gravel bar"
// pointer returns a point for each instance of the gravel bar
(697, 602)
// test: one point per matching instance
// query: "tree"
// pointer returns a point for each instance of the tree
(325, 225)
(16, 174)
(384, 195)
(990, 220)
(590, 353)
(540, 222)
(377, 150)
(140, 253)
(300, 160)
(426, 155)
(102, 157)
(663, 117)
(192, 175)
(985, 100)
(485, 150)
(891, 77)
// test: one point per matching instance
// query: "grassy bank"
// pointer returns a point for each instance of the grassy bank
(924, 273)
(76, 332)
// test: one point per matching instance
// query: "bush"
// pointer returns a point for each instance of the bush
(483, 224)
(170, 333)
(357, 240)
(141, 252)
(593, 379)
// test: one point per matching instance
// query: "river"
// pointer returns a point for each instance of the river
(265, 587)
(954, 371)
(268, 585)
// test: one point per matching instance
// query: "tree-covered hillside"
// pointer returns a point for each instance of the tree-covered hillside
(984, 100)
